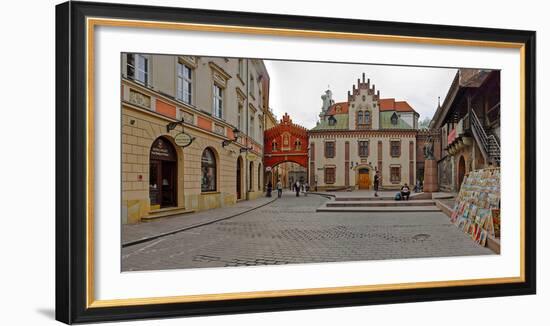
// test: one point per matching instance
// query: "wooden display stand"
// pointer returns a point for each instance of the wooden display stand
(477, 207)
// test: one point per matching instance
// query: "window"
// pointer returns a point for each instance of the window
(395, 148)
(394, 119)
(274, 145)
(208, 171)
(395, 174)
(330, 149)
(252, 85)
(251, 126)
(240, 117)
(360, 117)
(330, 175)
(260, 99)
(363, 148)
(217, 102)
(184, 83)
(366, 118)
(260, 128)
(241, 69)
(331, 121)
(298, 145)
(137, 67)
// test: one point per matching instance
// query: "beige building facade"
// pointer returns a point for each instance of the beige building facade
(355, 139)
(192, 133)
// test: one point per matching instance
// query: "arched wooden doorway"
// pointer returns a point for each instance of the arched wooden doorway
(239, 178)
(364, 178)
(461, 171)
(163, 174)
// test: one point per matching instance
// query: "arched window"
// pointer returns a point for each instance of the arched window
(367, 117)
(208, 171)
(360, 117)
(274, 145)
(298, 145)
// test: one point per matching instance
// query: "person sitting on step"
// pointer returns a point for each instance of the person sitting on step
(405, 192)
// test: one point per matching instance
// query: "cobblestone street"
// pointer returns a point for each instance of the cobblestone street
(289, 231)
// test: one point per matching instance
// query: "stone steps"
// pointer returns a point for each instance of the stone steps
(164, 212)
(380, 203)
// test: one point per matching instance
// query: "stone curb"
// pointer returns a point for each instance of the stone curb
(147, 239)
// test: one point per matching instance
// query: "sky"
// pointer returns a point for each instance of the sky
(296, 87)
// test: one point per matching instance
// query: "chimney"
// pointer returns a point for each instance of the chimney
(358, 83)
(373, 88)
(378, 94)
(363, 78)
(353, 89)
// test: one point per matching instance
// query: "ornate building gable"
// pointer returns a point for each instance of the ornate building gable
(364, 108)
(285, 142)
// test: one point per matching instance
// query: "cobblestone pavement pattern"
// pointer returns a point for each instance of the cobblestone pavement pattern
(289, 231)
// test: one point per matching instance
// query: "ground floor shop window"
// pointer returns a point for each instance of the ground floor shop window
(395, 174)
(330, 175)
(208, 171)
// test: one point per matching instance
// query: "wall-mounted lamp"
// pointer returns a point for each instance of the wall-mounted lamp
(236, 135)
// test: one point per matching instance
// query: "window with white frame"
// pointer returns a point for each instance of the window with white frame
(241, 69)
(252, 85)
(137, 67)
(217, 102)
(184, 83)
(251, 126)
(240, 117)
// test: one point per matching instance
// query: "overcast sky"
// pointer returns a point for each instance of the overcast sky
(296, 87)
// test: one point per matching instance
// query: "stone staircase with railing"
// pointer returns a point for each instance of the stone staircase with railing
(489, 145)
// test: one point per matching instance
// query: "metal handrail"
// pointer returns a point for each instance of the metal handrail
(485, 139)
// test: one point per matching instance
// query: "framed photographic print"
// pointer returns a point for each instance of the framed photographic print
(214, 162)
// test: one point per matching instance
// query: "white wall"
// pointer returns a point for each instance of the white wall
(27, 280)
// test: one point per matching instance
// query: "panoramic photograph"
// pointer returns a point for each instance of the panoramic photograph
(235, 162)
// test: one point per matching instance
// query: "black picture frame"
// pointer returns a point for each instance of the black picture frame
(71, 157)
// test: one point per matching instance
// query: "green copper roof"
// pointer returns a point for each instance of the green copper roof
(385, 121)
(341, 123)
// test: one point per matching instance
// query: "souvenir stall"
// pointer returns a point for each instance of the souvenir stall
(477, 207)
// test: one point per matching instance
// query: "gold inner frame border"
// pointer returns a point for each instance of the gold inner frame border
(92, 22)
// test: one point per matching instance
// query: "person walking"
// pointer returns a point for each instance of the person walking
(297, 188)
(306, 188)
(279, 188)
(269, 188)
(376, 184)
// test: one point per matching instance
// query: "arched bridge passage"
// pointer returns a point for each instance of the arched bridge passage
(286, 142)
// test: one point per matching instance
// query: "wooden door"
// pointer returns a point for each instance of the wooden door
(364, 179)
(239, 163)
(154, 182)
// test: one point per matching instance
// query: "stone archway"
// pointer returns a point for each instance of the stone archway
(163, 174)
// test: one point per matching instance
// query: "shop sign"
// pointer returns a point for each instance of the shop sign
(251, 157)
(183, 139)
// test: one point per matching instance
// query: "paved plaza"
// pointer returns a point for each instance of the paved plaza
(290, 231)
